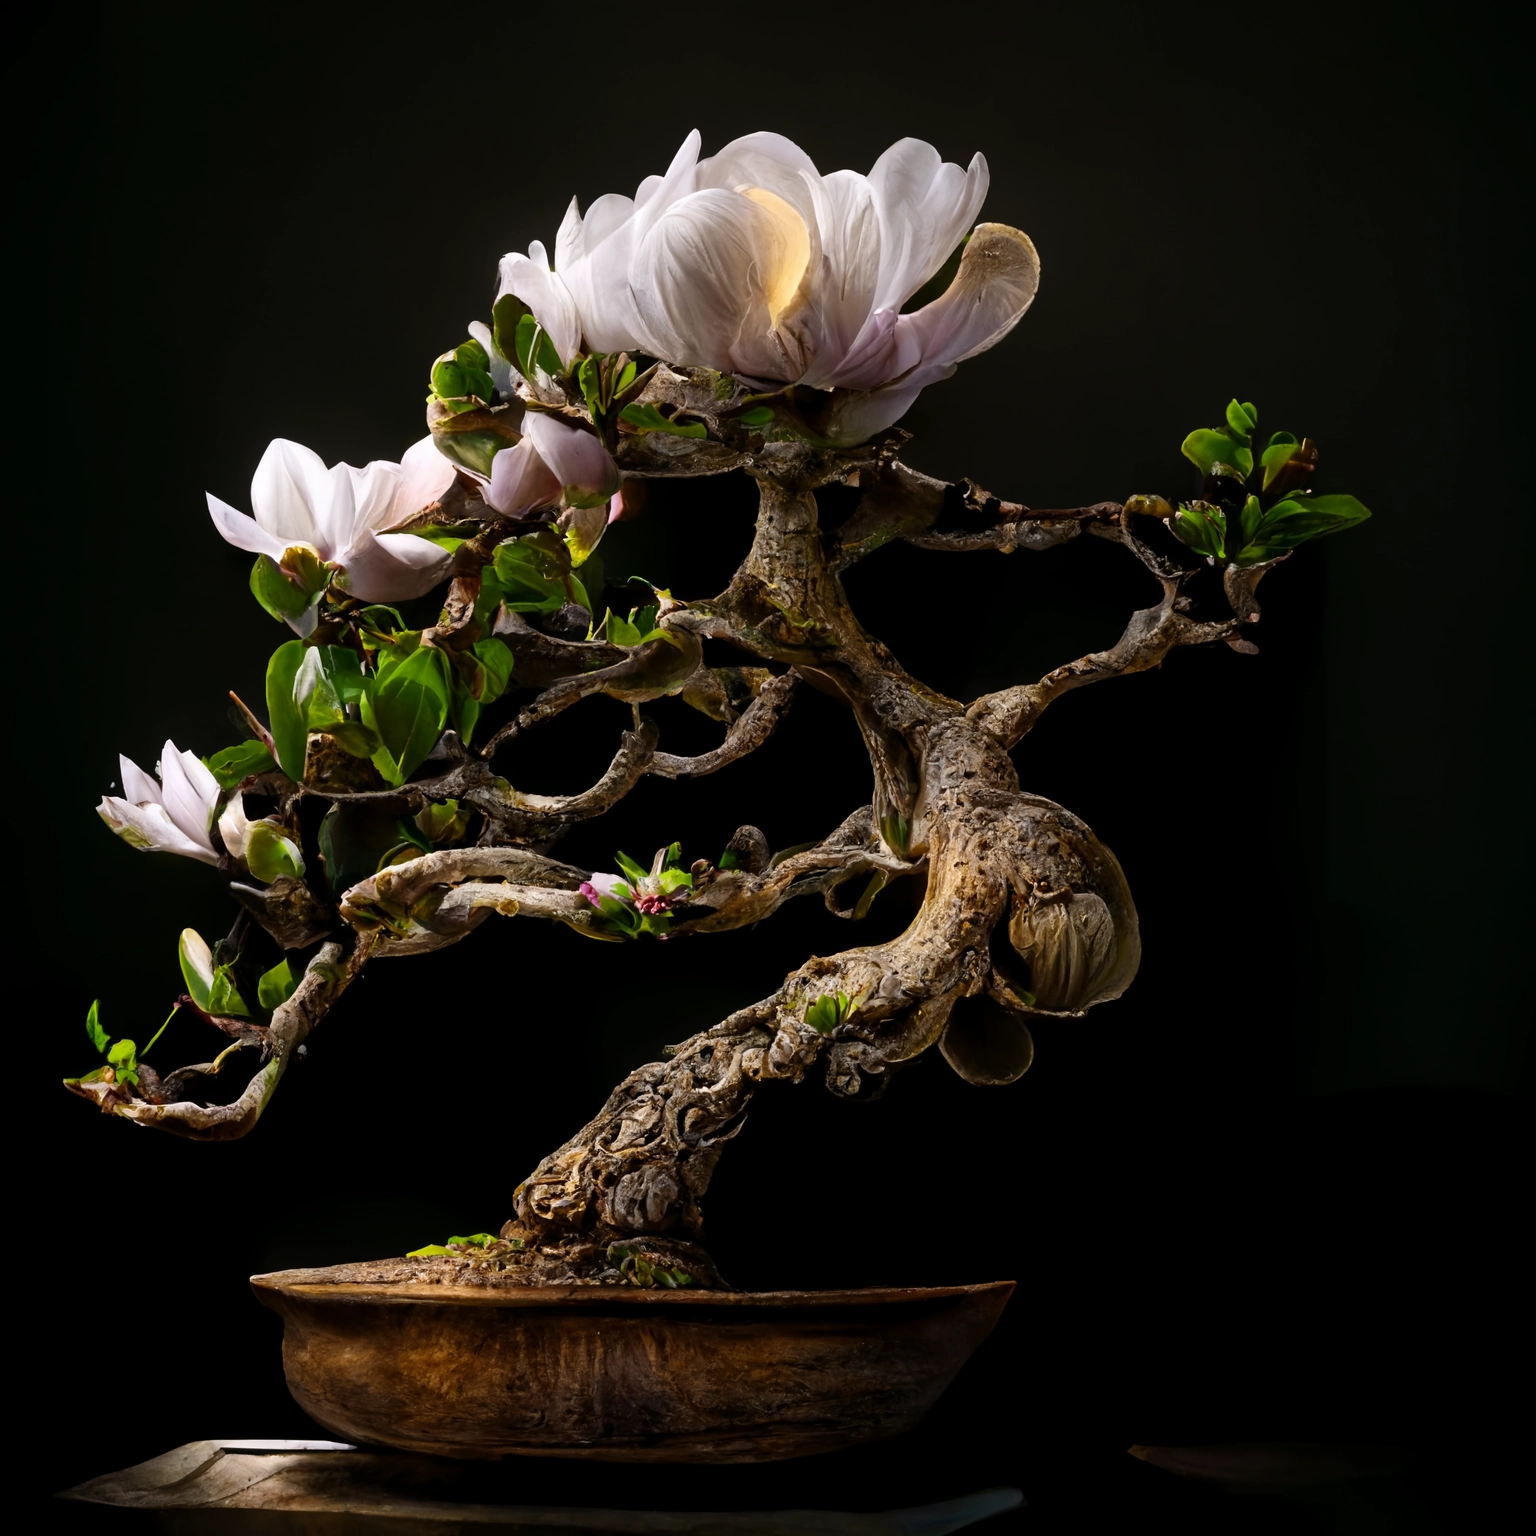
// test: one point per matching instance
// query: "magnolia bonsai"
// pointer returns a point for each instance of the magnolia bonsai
(742, 314)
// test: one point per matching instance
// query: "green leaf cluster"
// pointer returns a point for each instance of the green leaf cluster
(606, 380)
(830, 1010)
(530, 574)
(123, 1057)
(1254, 511)
(622, 917)
(521, 339)
(638, 628)
(461, 379)
(389, 701)
(640, 1269)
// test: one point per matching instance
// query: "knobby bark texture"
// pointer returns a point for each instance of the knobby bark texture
(1025, 912)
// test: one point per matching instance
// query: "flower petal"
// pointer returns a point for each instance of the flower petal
(425, 476)
(148, 829)
(291, 494)
(925, 205)
(234, 828)
(139, 788)
(543, 291)
(520, 480)
(577, 459)
(190, 792)
(242, 531)
(390, 567)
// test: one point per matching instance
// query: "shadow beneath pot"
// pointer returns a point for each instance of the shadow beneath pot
(325, 1488)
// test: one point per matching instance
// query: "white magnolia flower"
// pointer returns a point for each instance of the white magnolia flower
(172, 816)
(753, 263)
(337, 512)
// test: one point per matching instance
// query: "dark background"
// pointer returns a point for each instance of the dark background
(1270, 1194)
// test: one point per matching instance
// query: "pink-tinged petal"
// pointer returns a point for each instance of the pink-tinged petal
(520, 480)
(530, 279)
(139, 788)
(997, 281)
(862, 413)
(616, 505)
(925, 205)
(291, 493)
(614, 887)
(185, 803)
(577, 458)
(242, 531)
(391, 567)
(148, 829)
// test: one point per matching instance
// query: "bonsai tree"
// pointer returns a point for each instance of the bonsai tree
(742, 314)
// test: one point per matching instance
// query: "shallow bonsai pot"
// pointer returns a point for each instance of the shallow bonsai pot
(615, 1374)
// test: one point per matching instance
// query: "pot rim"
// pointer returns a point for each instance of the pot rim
(385, 1293)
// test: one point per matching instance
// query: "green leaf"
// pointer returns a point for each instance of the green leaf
(431, 1251)
(233, 764)
(408, 707)
(895, 830)
(353, 840)
(647, 418)
(442, 823)
(123, 1057)
(283, 599)
(532, 349)
(478, 1240)
(99, 1036)
(630, 870)
(270, 854)
(1249, 518)
(673, 879)
(276, 986)
(529, 577)
(1241, 420)
(1205, 448)
(196, 966)
(223, 996)
(758, 416)
(620, 631)
(1203, 529)
(290, 735)
(508, 311)
(1297, 520)
(329, 678)
(1276, 457)
(822, 1015)
(497, 659)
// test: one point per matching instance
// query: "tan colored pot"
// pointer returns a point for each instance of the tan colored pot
(621, 1375)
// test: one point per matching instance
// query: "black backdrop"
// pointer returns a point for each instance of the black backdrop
(1270, 1193)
